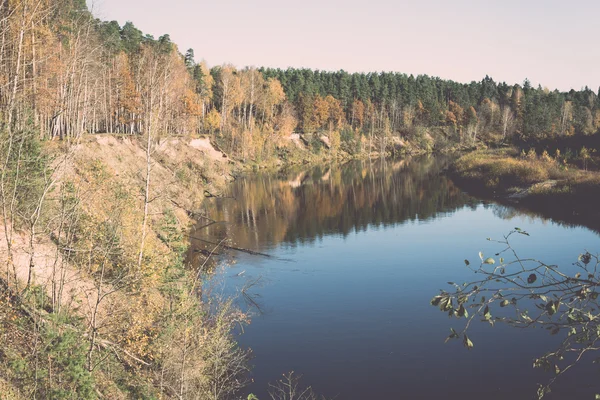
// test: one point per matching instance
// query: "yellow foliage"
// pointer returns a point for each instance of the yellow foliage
(192, 103)
(321, 112)
(335, 110)
(212, 121)
(335, 140)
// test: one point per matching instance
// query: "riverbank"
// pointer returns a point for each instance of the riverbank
(541, 183)
(96, 299)
(301, 150)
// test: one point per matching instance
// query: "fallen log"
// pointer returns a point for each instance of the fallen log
(241, 249)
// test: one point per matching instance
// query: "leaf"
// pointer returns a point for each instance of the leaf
(467, 342)
(578, 275)
(446, 304)
(489, 261)
(531, 278)
(585, 258)
(436, 300)
(481, 255)
(573, 331)
(462, 312)
(467, 263)
(501, 260)
(486, 313)
(453, 335)
(504, 303)
(552, 307)
(555, 331)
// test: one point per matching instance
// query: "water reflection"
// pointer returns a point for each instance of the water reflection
(299, 206)
(370, 244)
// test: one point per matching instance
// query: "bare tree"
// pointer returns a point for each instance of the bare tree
(507, 118)
(288, 388)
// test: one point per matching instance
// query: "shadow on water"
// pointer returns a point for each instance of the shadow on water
(557, 208)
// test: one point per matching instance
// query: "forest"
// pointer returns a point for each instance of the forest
(65, 74)
(96, 297)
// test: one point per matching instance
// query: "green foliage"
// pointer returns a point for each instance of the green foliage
(68, 357)
(538, 111)
(316, 144)
(131, 38)
(110, 34)
(347, 135)
(173, 277)
(169, 231)
(350, 140)
(27, 170)
(57, 370)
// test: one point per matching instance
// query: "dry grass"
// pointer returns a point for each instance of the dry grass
(506, 169)
(541, 183)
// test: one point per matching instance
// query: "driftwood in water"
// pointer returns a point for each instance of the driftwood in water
(206, 253)
(209, 195)
(190, 213)
(198, 214)
(255, 253)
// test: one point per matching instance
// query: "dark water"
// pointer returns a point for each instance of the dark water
(357, 252)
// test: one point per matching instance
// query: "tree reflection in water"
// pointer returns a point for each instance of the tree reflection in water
(297, 207)
(300, 206)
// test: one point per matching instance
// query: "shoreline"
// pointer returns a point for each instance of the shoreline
(540, 186)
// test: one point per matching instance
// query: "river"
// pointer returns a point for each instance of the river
(355, 254)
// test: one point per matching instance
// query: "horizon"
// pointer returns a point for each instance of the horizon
(518, 42)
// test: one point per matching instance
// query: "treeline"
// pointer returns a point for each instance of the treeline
(400, 102)
(66, 73)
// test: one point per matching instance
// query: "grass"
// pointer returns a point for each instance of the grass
(506, 169)
(542, 183)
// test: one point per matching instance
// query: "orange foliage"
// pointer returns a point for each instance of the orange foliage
(358, 112)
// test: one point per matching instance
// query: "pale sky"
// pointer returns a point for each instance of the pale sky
(553, 43)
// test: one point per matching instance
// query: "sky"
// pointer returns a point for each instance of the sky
(552, 43)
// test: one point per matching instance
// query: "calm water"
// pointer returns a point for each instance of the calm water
(357, 252)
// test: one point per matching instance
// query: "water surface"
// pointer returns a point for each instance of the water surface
(357, 252)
